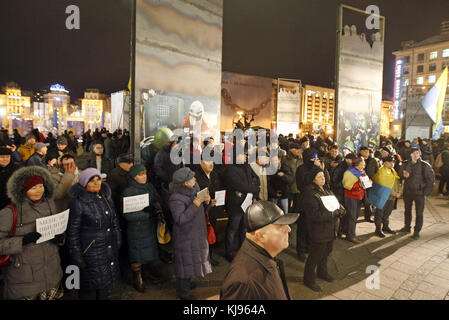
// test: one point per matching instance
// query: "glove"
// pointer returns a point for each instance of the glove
(58, 239)
(31, 237)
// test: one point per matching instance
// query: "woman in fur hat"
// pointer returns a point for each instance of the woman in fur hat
(35, 271)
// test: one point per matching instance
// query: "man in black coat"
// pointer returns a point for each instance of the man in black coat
(240, 180)
(98, 160)
(7, 168)
(311, 160)
(419, 179)
(207, 177)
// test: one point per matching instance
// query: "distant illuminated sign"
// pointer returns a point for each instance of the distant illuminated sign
(58, 88)
(397, 89)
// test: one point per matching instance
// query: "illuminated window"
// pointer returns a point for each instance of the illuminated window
(446, 53)
(420, 80)
(433, 55)
(405, 84)
(432, 79)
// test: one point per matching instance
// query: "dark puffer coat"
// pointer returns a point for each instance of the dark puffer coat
(93, 236)
(421, 180)
(141, 225)
(5, 174)
(321, 223)
(34, 267)
(191, 249)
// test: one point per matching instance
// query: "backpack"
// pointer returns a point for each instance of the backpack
(439, 161)
(4, 260)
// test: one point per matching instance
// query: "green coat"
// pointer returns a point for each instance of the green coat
(292, 163)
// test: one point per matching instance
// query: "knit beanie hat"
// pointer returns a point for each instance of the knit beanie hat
(87, 175)
(135, 169)
(31, 182)
(182, 175)
(5, 151)
(311, 174)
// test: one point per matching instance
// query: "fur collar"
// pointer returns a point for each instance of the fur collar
(18, 178)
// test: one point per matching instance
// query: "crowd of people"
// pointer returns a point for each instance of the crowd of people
(314, 186)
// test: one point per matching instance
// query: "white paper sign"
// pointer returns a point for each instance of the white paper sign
(202, 194)
(330, 203)
(220, 198)
(50, 226)
(367, 183)
(248, 201)
(136, 203)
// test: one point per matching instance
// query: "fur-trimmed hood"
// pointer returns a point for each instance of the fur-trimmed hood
(77, 191)
(17, 180)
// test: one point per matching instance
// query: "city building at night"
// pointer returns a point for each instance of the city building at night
(317, 109)
(14, 104)
(386, 118)
(418, 67)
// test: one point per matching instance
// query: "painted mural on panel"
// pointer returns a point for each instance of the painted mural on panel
(178, 62)
(249, 95)
(360, 89)
(288, 107)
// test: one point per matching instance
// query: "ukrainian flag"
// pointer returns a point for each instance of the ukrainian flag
(433, 103)
(382, 187)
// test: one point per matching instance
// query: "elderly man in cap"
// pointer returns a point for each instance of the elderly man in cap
(385, 191)
(38, 157)
(256, 273)
(419, 179)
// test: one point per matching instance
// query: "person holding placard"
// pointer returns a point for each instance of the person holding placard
(207, 177)
(354, 195)
(191, 250)
(35, 270)
(240, 181)
(322, 215)
(141, 225)
(93, 235)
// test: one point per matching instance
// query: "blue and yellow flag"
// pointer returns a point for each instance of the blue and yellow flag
(433, 103)
(383, 184)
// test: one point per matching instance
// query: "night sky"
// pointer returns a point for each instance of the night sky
(273, 38)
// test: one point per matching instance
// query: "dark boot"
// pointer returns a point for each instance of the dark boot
(138, 281)
(388, 230)
(379, 233)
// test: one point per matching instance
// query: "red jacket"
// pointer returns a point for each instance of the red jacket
(357, 192)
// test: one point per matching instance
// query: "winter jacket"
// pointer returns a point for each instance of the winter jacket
(371, 167)
(255, 275)
(93, 236)
(108, 148)
(444, 170)
(26, 150)
(292, 163)
(320, 221)
(405, 152)
(261, 172)
(240, 180)
(214, 183)
(426, 150)
(118, 179)
(163, 167)
(337, 181)
(141, 225)
(191, 249)
(37, 160)
(328, 160)
(421, 180)
(278, 184)
(351, 183)
(5, 174)
(34, 268)
(63, 182)
(106, 164)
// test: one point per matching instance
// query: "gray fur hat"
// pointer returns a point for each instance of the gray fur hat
(17, 180)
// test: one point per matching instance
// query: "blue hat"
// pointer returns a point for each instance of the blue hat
(88, 174)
